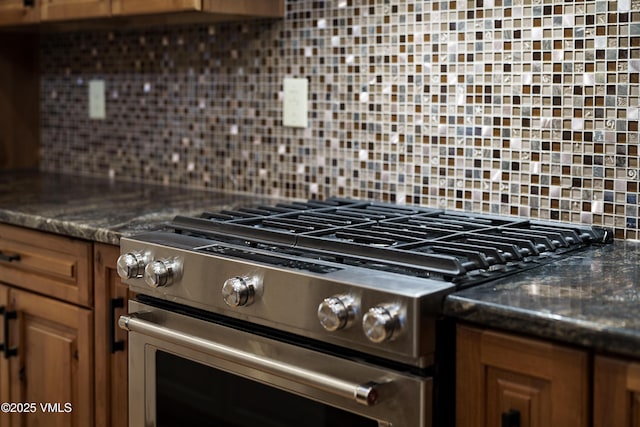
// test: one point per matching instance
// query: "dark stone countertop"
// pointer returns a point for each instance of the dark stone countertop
(101, 210)
(591, 299)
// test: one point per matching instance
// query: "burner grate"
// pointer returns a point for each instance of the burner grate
(453, 245)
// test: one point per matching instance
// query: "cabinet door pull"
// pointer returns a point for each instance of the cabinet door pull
(29, 3)
(8, 315)
(511, 418)
(115, 345)
(9, 258)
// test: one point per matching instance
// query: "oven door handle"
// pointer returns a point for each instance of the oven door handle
(365, 393)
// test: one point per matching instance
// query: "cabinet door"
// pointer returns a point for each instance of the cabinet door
(139, 7)
(111, 296)
(500, 375)
(14, 12)
(53, 364)
(60, 10)
(616, 400)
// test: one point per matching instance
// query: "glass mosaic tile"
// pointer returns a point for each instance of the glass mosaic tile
(523, 107)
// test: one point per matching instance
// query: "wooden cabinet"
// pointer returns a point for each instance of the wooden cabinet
(62, 10)
(21, 12)
(53, 265)
(17, 12)
(221, 8)
(47, 356)
(14, 12)
(68, 348)
(111, 297)
(500, 375)
(52, 361)
(5, 383)
(135, 7)
(616, 392)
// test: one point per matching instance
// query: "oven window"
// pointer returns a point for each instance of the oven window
(190, 394)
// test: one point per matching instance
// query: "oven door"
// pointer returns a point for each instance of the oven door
(185, 370)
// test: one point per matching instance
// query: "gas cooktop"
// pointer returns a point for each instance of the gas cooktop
(361, 275)
(459, 247)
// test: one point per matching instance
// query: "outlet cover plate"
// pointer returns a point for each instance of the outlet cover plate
(97, 108)
(295, 102)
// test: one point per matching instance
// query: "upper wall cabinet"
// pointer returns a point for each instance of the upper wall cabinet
(62, 10)
(231, 8)
(16, 12)
(21, 12)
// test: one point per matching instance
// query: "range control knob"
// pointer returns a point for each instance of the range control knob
(131, 265)
(337, 312)
(162, 272)
(240, 291)
(382, 323)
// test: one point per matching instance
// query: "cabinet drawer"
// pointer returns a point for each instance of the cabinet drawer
(53, 265)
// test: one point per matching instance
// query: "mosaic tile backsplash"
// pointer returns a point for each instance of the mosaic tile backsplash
(524, 107)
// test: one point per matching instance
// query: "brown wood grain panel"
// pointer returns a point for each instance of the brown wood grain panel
(14, 12)
(54, 361)
(508, 391)
(470, 381)
(272, 8)
(135, 7)
(616, 392)
(111, 374)
(57, 266)
(546, 382)
(5, 382)
(60, 10)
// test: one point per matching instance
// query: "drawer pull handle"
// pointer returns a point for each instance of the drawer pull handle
(113, 304)
(9, 258)
(8, 315)
(511, 418)
(29, 3)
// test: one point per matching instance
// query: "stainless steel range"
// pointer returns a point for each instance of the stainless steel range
(328, 308)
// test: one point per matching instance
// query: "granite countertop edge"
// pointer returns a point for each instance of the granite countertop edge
(547, 326)
(75, 229)
(589, 299)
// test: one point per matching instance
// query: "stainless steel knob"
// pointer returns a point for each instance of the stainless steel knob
(131, 265)
(162, 272)
(240, 291)
(382, 323)
(337, 312)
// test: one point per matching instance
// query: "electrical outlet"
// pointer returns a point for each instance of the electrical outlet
(97, 109)
(295, 102)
